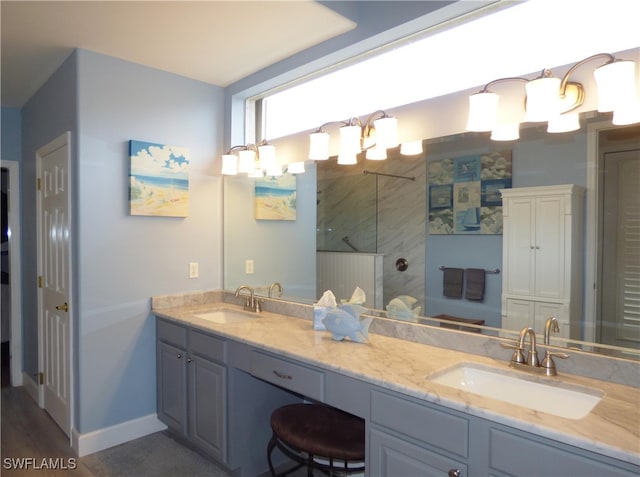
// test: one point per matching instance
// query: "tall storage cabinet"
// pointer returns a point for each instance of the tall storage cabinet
(542, 257)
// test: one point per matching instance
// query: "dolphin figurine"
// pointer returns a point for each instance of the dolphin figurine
(344, 321)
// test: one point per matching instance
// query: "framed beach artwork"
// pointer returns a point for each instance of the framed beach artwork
(158, 179)
(464, 193)
(275, 198)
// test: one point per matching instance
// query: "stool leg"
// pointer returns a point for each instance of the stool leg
(310, 465)
(270, 447)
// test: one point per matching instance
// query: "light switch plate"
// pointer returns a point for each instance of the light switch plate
(193, 270)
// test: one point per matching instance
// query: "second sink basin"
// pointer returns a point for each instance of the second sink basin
(559, 399)
(225, 316)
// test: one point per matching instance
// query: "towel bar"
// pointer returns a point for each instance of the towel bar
(495, 271)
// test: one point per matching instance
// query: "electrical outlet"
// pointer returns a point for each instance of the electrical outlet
(193, 270)
(248, 267)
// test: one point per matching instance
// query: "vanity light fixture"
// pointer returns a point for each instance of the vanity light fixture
(484, 108)
(554, 100)
(377, 134)
(255, 160)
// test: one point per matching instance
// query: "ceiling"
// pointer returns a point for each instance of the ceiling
(218, 42)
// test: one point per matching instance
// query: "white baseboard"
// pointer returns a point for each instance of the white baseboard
(95, 441)
(31, 387)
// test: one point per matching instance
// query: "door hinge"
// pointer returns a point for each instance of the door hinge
(40, 281)
(41, 378)
(39, 183)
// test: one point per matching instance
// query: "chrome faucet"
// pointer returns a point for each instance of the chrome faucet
(251, 303)
(550, 325)
(274, 285)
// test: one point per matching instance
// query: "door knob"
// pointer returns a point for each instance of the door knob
(63, 307)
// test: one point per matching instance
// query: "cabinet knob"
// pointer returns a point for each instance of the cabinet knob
(454, 473)
(179, 356)
(189, 360)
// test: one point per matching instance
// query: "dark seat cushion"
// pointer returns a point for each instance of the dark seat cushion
(320, 430)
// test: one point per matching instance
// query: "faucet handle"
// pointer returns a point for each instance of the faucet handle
(257, 305)
(549, 365)
(518, 355)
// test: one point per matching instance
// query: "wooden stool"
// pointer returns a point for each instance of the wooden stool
(304, 432)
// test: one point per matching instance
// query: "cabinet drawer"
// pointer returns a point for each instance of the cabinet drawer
(172, 333)
(297, 378)
(207, 346)
(440, 429)
(524, 454)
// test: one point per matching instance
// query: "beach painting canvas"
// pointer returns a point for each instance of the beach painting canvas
(275, 198)
(158, 179)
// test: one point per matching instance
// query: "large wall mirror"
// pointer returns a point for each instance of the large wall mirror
(381, 208)
(377, 216)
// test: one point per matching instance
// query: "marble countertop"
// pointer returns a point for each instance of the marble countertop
(612, 428)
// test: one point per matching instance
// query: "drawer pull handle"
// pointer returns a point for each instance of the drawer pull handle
(281, 375)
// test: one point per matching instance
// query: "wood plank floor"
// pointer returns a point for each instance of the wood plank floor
(29, 432)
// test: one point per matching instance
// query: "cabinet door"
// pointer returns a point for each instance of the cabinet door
(549, 247)
(544, 311)
(394, 457)
(207, 389)
(519, 247)
(519, 314)
(172, 387)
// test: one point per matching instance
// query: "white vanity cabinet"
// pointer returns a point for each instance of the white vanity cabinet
(542, 257)
(191, 386)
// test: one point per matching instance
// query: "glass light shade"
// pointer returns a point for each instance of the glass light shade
(564, 123)
(347, 158)
(616, 84)
(229, 164)
(296, 167)
(274, 170)
(319, 146)
(246, 161)
(506, 132)
(543, 99)
(376, 153)
(255, 173)
(628, 113)
(411, 148)
(483, 108)
(386, 132)
(267, 156)
(350, 139)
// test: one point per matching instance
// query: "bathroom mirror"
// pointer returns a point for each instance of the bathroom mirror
(380, 207)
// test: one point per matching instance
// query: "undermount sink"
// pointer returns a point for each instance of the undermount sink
(223, 317)
(559, 399)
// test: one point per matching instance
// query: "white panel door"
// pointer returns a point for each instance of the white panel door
(54, 259)
(519, 247)
(549, 247)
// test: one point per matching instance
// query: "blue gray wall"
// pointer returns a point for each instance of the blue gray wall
(122, 260)
(48, 114)
(11, 135)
